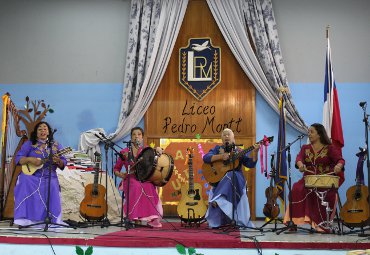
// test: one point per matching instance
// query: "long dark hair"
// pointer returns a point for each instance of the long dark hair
(33, 137)
(324, 138)
(137, 128)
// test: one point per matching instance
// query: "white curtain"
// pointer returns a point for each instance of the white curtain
(266, 68)
(153, 30)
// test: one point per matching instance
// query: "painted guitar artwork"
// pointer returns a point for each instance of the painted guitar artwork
(191, 206)
(30, 169)
(94, 206)
(215, 171)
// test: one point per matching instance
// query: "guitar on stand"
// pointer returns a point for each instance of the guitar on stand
(215, 171)
(94, 206)
(191, 208)
(355, 211)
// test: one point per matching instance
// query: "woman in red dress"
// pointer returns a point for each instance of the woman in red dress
(316, 158)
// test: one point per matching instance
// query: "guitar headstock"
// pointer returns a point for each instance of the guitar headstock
(67, 150)
(266, 140)
(189, 154)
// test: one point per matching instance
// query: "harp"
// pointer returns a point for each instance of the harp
(12, 138)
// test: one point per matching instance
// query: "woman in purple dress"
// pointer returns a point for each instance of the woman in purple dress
(144, 203)
(31, 191)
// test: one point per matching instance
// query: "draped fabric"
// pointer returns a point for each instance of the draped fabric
(153, 29)
(154, 25)
(265, 69)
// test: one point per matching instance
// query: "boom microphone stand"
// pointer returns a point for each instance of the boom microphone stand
(291, 224)
(233, 224)
(366, 122)
(108, 143)
(47, 221)
(125, 221)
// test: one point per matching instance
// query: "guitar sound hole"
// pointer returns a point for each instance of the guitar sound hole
(191, 193)
(197, 196)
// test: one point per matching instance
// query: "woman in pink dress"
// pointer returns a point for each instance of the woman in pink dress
(144, 204)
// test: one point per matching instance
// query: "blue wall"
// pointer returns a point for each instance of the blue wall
(77, 107)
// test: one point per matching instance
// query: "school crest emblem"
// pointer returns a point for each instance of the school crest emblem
(199, 67)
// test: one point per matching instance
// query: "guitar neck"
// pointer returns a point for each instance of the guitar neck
(191, 174)
(96, 177)
(263, 141)
(241, 153)
(59, 153)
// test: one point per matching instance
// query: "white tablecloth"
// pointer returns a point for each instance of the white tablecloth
(73, 182)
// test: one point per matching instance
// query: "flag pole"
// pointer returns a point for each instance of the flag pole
(327, 31)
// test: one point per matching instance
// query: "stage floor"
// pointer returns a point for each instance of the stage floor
(173, 233)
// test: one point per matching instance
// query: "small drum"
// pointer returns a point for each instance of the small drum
(154, 168)
(321, 181)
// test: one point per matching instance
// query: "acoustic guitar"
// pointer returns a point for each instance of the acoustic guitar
(191, 206)
(30, 169)
(215, 171)
(355, 211)
(94, 206)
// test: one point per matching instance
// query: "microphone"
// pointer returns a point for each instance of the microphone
(227, 147)
(137, 142)
(301, 136)
(362, 104)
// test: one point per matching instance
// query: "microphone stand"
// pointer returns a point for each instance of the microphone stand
(272, 175)
(47, 220)
(108, 143)
(233, 225)
(366, 122)
(291, 224)
(125, 221)
(105, 221)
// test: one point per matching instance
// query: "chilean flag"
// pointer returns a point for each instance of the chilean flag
(331, 112)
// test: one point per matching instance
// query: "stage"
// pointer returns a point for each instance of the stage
(144, 240)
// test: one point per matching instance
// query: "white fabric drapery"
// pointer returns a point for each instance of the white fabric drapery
(154, 26)
(266, 70)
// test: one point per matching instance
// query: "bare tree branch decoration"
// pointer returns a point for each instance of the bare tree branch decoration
(38, 114)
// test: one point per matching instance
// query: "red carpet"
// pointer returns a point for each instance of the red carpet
(173, 233)
(170, 235)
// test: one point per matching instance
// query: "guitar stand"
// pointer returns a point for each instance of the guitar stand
(191, 223)
(361, 231)
(276, 220)
(192, 220)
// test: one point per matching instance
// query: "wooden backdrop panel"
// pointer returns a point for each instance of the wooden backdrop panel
(175, 113)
